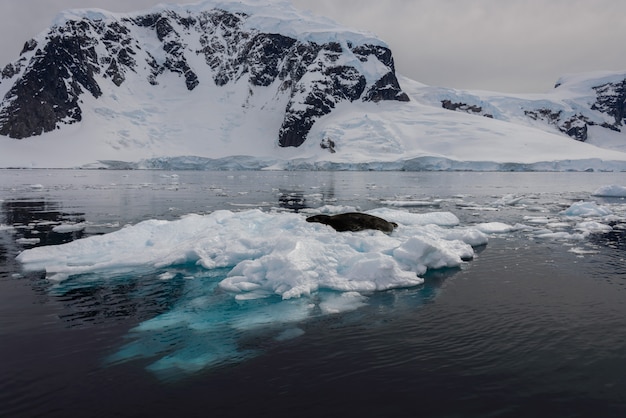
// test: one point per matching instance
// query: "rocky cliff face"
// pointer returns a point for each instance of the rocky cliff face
(45, 87)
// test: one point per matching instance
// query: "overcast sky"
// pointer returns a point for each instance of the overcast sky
(500, 45)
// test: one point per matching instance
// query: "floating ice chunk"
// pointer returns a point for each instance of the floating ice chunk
(331, 209)
(66, 228)
(561, 235)
(558, 225)
(28, 241)
(508, 200)
(593, 227)
(409, 203)
(408, 218)
(168, 275)
(495, 227)
(537, 220)
(582, 251)
(610, 191)
(586, 209)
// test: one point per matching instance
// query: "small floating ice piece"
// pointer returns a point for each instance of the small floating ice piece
(586, 209)
(610, 191)
(410, 203)
(28, 241)
(495, 227)
(593, 227)
(508, 200)
(66, 228)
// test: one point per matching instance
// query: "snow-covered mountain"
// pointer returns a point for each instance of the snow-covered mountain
(229, 45)
(587, 107)
(258, 84)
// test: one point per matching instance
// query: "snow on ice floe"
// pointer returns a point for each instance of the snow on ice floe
(271, 254)
(254, 271)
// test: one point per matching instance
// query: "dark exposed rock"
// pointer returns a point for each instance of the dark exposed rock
(50, 92)
(114, 72)
(383, 54)
(574, 126)
(464, 107)
(328, 144)
(611, 99)
(387, 88)
(272, 47)
(30, 45)
(578, 132)
(12, 69)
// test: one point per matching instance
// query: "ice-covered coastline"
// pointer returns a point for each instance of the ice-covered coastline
(245, 163)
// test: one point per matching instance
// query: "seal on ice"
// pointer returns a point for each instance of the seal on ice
(354, 221)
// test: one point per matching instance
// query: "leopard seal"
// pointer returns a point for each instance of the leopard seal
(354, 221)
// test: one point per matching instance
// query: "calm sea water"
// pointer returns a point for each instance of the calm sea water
(531, 327)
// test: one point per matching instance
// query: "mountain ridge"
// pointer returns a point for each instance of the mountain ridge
(85, 49)
(578, 104)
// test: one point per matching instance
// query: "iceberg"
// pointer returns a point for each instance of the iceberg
(253, 272)
(613, 190)
(587, 209)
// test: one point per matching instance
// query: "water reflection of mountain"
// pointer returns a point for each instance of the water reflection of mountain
(297, 200)
(136, 296)
(33, 221)
(292, 200)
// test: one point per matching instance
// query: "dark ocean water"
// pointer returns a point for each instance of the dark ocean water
(530, 327)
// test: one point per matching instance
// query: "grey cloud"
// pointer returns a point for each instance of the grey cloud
(513, 45)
